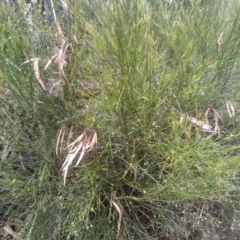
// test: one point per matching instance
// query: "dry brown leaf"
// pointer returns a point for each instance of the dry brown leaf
(60, 32)
(230, 109)
(219, 43)
(206, 127)
(120, 212)
(83, 145)
(217, 127)
(206, 115)
(36, 72)
(216, 118)
(60, 138)
(217, 115)
(59, 59)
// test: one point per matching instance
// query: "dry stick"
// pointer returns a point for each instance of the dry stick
(219, 42)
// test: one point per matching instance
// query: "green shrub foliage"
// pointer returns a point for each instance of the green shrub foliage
(119, 120)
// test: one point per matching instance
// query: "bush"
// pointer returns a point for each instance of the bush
(141, 97)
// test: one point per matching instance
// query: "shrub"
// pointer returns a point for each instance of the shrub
(142, 99)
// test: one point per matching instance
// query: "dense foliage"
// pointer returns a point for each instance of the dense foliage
(119, 120)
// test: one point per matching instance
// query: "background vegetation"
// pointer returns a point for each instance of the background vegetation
(142, 98)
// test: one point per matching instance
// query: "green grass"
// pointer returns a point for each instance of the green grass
(133, 70)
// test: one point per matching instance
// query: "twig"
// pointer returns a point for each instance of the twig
(219, 43)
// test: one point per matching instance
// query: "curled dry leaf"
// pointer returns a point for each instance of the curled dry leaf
(219, 43)
(59, 59)
(59, 30)
(120, 212)
(82, 146)
(205, 126)
(230, 109)
(59, 145)
(206, 115)
(36, 71)
(216, 118)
